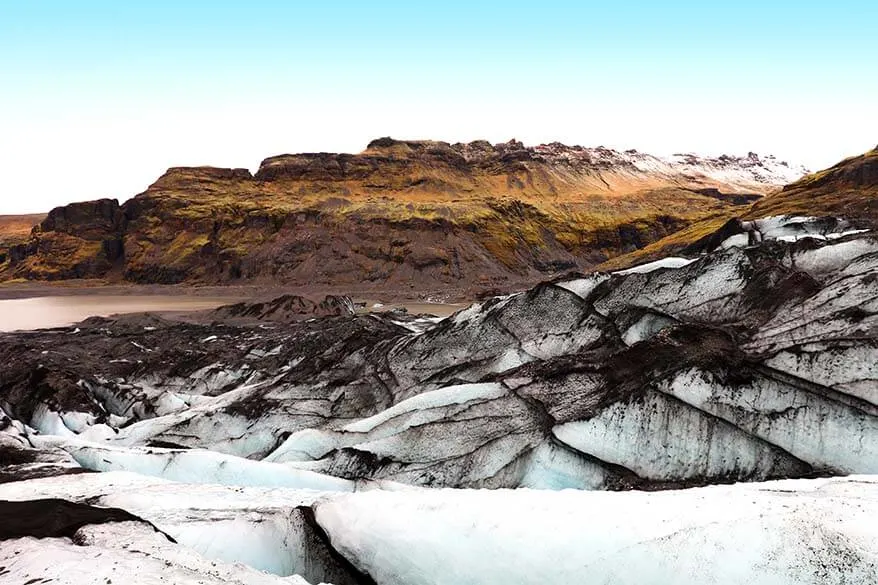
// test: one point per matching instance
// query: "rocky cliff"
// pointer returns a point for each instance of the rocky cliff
(400, 214)
(16, 230)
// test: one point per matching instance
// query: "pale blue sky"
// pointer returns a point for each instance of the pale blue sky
(98, 98)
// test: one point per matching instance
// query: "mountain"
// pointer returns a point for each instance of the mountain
(848, 190)
(401, 214)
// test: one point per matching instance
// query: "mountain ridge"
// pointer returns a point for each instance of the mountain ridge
(400, 214)
(846, 190)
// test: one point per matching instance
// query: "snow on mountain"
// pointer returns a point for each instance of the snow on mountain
(750, 173)
(747, 173)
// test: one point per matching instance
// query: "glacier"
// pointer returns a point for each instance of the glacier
(710, 417)
(810, 531)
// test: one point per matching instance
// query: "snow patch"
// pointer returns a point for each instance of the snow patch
(582, 287)
(670, 262)
(428, 400)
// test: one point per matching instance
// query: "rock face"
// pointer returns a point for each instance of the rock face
(80, 240)
(401, 214)
(15, 230)
(756, 361)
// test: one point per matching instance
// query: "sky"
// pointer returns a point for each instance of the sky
(98, 98)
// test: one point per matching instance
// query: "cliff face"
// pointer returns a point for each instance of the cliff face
(80, 240)
(15, 230)
(400, 214)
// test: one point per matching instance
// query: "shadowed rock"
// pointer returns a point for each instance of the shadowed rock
(53, 518)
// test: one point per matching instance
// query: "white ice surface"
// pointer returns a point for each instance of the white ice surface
(309, 444)
(645, 327)
(249, 525)
(554, 468)
(49, 422)
(122, 553)
(738, 240)
(661, 438)
(850, 369)
(825, 259)
(583, 287)
(194, 466)
(670, 262)
(824, 433)
(789, 532)
(812, 532)
(433, 399)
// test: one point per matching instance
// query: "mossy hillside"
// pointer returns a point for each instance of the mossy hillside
(236, 221)
(406, 211)
(848, 190)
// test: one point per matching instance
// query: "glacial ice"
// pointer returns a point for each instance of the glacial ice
(193, 466)
(670, 262)
(127, 552)
(778, 533)
(584, 286)
(852, 369)
(259, 527)
(429, 400)
(825, 433)
(790, 532)
(553, 467)
(418, 410)
(660, 438)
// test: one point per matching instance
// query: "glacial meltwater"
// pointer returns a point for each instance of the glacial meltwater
(60, 311)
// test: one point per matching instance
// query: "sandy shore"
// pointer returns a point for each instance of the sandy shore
(377, 294)
(27, 306)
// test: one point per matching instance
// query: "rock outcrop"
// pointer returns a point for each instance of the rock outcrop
(15, 230)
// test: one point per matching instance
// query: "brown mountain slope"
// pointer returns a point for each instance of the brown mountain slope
(846, 190)
(421, 215)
